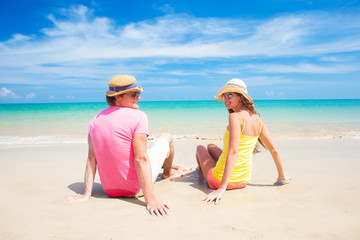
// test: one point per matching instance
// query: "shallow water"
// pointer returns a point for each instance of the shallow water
(68, 122)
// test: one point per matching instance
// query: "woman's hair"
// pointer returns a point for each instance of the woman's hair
(249, 105)
(111, 101)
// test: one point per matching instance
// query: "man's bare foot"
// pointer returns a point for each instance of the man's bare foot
(177, 171)
(182, 168)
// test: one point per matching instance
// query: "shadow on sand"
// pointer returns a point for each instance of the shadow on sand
(196, 180)
(98, 192)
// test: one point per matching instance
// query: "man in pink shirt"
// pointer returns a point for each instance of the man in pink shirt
(118, 148)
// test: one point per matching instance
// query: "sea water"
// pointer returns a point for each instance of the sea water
(67, 123)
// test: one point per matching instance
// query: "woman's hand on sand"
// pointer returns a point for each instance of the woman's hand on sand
(214, 196)
(76, 198)
(157, 208)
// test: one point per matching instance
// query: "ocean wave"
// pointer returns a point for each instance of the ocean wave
(39, 140)
(15, 141)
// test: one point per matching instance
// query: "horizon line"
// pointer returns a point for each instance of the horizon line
(308, 99)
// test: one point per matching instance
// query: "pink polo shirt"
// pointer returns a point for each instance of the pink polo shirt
(111, 133)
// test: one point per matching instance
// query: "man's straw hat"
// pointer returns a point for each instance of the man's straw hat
(121, 84)
(234, 85)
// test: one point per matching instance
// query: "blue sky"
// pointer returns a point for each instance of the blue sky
(67, 51)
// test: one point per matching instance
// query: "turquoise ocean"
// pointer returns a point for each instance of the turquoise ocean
(67, 123)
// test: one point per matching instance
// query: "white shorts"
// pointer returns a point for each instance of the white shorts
(158, 152)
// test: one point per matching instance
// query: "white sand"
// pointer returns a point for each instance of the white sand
(322, 201)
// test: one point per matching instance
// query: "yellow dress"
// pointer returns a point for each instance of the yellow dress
(243, 166)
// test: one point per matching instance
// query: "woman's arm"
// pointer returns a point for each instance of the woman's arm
(270, 145)
(235, 124)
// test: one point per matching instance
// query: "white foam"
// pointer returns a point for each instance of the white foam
(39, 140)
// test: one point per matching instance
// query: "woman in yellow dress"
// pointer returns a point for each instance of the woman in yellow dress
(230, 167)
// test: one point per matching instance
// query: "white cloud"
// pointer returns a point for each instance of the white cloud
(273, 94)
(153, 81)
(83, 36)
(336, 59)
(265, 80)
(30, 95)
(184, 73)
(79, 43)
(17, 39)
(304, 68)
(166, 8)
(270, 93)
(6, 93)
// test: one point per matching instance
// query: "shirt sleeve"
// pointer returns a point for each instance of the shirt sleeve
(91, 126)
(142, 126)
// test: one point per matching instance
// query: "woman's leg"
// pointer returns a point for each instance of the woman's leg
(214, 151)
(204, 160)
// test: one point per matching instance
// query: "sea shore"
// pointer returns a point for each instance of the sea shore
(321, 202)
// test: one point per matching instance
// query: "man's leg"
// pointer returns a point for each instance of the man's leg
(161, 151)
(168, 163)
(170, 169)
(161, 155)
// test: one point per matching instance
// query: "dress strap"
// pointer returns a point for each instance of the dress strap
(260, 127)
(243, 121)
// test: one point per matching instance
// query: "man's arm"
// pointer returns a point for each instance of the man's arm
(90, 172)
(143, 169)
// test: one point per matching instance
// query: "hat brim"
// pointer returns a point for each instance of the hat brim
(113, 94)
(231, 88)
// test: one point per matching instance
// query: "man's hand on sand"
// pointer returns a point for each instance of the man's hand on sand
(76, 198)
(157, 208)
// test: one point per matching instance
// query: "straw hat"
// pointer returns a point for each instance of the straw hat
(121, 84)
(234, 85)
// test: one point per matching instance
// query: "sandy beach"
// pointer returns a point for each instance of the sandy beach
(321, 202)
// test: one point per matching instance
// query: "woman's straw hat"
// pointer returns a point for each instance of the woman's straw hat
(234, 85)
(121, 84)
